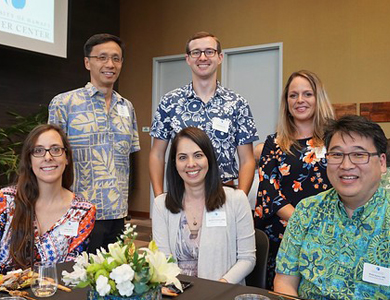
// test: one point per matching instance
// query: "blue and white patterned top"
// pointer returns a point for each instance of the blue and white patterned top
(101, 144)
(182, 108)
(327, 249)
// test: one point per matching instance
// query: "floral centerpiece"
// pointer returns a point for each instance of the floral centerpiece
(124, 270)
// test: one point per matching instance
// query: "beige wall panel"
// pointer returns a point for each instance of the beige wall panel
(347, 43)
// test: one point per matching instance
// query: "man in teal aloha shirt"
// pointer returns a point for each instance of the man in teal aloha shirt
(337, 243)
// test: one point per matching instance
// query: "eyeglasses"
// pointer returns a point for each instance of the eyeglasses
(357, 158)
(54, 151)
(196, 53)
(104, 58)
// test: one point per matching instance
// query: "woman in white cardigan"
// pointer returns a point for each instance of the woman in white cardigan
(206, 227)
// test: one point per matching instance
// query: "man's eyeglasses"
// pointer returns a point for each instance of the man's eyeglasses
(196, 53)
(104, 58)
(54, 151)
(357, 158)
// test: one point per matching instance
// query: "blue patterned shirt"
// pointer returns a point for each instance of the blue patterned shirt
(327, 250)
(101, 145)
(182, 108)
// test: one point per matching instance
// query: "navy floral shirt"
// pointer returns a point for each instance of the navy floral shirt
(226, 118)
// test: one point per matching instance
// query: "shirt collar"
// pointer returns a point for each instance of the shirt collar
(190, 92)
(365, 210)
(92, 91)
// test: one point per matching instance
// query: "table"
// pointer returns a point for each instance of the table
(201, 289)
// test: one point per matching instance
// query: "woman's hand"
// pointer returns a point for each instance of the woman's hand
(223, 280)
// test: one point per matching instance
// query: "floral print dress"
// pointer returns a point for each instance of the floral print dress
(286, 179)
(53, 245)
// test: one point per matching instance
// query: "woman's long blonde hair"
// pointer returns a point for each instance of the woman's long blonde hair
(287, 130)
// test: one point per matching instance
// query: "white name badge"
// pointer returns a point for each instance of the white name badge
(123, 111)
(320, 152)
(69, 228)
(221, 125)
(216, 219)
(376, 274)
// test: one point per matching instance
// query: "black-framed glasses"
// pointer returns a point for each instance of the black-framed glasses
(357, 158)
(196, 53)
(54, 151)
(104, 58)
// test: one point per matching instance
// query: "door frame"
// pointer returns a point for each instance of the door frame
(157, 61)
(250, 49)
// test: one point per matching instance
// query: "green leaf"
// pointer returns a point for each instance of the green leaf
(11, 139)
(92, 268)
(83, 284)
(140, 288)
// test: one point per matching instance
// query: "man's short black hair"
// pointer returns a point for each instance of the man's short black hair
(102, 38)
(359, 125)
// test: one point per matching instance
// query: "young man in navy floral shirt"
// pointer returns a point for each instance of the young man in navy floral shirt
(224, 115)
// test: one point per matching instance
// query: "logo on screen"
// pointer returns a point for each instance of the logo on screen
(18, 4)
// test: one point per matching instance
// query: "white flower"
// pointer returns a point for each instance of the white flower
(122, 273)
(79, 274)
(110, 260)
(161, 270)
(125, 288)
(98, 258)
(82, 260)
(117, 252)
(102, 285)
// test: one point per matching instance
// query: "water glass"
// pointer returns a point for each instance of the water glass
(251, 297)
(44, 280)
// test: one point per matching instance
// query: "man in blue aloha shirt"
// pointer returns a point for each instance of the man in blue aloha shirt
(102, 129)
(337, 244)
(224, 115)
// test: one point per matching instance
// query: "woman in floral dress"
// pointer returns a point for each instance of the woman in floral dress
(293, 164)
(40, 218)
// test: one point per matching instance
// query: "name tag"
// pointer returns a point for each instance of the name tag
(221, 125)
(69, 228)
(216, 219)
(376, 274)
(123, 111)
(320, 152)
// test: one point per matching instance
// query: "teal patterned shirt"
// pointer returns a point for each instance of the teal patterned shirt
(385, 181)
(327, 250)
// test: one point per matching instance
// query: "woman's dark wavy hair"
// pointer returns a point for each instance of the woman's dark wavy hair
(214, 194)
(22, 237)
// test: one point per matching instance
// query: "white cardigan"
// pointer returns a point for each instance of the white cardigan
(225, 252)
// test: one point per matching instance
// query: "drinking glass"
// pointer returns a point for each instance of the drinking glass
(251, 297)
(44, 280)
